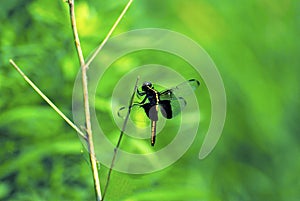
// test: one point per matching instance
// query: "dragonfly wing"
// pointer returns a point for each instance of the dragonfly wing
(166, 109)
(151, 111)
(193, 83)
(180, 90)
(122, 112)
(170, 109)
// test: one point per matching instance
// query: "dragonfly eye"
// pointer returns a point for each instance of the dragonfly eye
(146, 86)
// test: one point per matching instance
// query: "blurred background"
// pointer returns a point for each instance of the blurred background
(255, 45)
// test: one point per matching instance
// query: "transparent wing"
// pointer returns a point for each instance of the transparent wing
(122, 112)
(137, 114)
(180, 90)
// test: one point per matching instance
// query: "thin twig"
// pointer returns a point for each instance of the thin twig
(109, 33)
(47, 99)
(86, 103)
(120, 138)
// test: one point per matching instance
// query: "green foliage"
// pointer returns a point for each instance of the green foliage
(256, 48)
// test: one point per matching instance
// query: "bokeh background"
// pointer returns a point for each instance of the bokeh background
(255, 45)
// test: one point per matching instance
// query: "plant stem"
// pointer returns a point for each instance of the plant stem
(47, 100)
(86, 103)
(120, 138)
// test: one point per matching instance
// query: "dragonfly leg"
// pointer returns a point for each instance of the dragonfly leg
(144, 100)
(140, 93)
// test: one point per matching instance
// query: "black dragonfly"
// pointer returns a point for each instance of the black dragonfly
(170, 102)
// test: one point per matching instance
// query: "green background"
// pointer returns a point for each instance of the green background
(255, 45)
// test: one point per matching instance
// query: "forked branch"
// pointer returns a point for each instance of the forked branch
(84, 67)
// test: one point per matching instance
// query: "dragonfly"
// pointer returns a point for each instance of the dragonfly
(169, 102)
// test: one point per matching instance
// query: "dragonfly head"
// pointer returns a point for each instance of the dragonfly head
(146, 86)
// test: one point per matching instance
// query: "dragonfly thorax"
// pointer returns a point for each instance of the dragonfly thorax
(151, 93)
